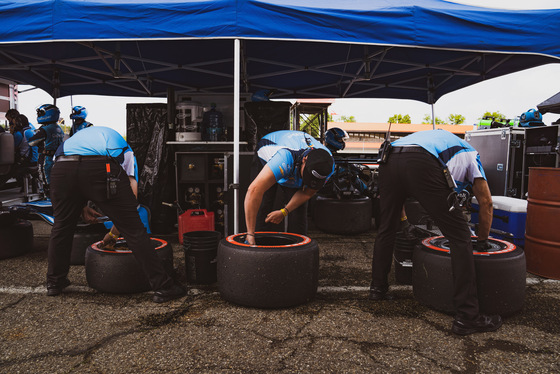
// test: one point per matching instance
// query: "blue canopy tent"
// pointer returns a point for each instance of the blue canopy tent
(410, 49)
(550, 105)
(413, 49)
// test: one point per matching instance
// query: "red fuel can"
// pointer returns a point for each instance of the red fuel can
(195, 220)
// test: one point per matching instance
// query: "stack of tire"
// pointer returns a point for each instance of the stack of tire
(343, 216)
(280, 271)
(115, 270)
(500, 275)
(84, 236)
(16, 235)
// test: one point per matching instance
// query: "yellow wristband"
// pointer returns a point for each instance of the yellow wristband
(404, 218)
(113, 235)
(284, 212)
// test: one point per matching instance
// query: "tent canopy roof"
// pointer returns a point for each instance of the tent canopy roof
(550, 105)
(411, 49)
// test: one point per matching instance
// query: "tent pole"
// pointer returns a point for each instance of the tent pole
(236, 99)
(433, 117)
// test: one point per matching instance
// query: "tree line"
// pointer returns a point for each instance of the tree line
(452, 119)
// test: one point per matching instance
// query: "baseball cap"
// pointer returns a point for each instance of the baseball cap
(318, 167)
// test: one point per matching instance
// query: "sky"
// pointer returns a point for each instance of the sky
(511, 95)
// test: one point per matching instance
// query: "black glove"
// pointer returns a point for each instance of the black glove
(482, 245)
(408, 229)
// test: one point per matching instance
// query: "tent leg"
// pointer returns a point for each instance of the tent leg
(433, 117)
(236, 130)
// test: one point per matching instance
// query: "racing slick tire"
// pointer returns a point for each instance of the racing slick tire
(281, 271)
(345, 216)
(83, 238)
(117, 271)
(500, 276)
(16, 238)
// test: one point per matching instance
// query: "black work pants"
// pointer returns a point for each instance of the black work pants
(420, 175)
(276, 197)
(75, 182)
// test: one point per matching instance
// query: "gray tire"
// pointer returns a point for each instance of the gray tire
(83, 238)
(117, 271)
(351, 216)
(16, 239)
(500, 275)
(281, 271)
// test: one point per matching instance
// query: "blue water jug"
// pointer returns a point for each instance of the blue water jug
(213, 125)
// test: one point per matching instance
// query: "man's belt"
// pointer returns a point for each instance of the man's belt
(81, 158)
(411, 149)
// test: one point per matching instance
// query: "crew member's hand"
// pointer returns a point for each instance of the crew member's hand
(89, 215)
(482, 245)
(275, 217)
(109, 240)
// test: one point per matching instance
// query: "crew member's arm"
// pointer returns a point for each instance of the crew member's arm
(40, 135)
(133, 185)
(253, 199)
(113, 234)
(297, 200)
(484, 197)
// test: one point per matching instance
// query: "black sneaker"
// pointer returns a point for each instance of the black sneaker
(174, 292)
(55, 289)
(378, 294)
(482, 323)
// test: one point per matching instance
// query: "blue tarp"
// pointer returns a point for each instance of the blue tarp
(417, 49)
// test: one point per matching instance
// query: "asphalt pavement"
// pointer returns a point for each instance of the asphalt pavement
(340, 331)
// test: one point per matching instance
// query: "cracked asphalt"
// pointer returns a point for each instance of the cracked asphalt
(340, 331)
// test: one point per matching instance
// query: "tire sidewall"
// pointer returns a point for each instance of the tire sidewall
(501, 279)
(16, 239)
(346, 216)
(80, 243)
(268, 276)
(119, 272)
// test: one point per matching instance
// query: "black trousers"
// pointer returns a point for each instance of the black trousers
(275, 198)
(420, 175)
(75, 182)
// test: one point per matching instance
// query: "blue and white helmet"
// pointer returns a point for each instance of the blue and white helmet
(48, 113)
(78, 112)
(262, 95)
(334, 139)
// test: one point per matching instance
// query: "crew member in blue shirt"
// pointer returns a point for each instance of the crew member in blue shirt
(13, 116)
(50, 136)
(85, 165)
(415, 167)
(23, 151)
(29, 131)
(78, 117)
(297, 165)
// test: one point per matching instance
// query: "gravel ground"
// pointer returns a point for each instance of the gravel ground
(340, 331)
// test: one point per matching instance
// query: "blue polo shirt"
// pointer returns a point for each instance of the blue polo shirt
(282, 151)
(462, 160)
(100, 141)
